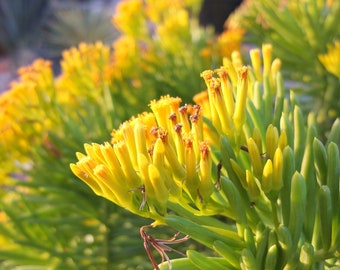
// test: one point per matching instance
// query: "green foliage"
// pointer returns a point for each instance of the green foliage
(69, 24)
(300, 31)
(18, 21)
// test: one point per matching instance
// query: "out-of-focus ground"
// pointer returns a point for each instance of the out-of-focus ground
(59, 13)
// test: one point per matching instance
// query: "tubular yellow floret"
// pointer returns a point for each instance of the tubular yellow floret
(226, 90)
(239, 117)
(206, 186)
(255, 57)
(277, 169)
(267, 58)
(128, 134)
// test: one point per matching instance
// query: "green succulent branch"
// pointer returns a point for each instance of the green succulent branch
(303, 31)
(255, 162)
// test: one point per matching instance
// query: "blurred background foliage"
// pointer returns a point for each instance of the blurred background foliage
(49, 219)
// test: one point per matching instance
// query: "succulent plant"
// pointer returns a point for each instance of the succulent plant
(243, 152)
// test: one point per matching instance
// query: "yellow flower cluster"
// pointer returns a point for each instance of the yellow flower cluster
(86, 70)
(331, 60)
(165, 156)
(153, 30)
(30, 109)
(153, 158)
(26, 111)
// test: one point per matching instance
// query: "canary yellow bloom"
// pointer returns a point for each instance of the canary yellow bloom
(331, 60)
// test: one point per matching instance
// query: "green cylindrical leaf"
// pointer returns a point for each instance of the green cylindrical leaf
(297, 206)
(271, 258)
(248, 260)
(228, 253)
(325, 215)
(205, 263)
(287, 174)
(320, 161)
(307, 256)
(200, 233)
(308, 172)
(180, 264)
(236, 203)
(299, 136)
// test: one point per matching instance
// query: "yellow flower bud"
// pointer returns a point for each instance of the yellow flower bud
(159, 187)
(228, 65)
(218, 101)
(206, 186)
(267, 58)
(167, 176)
(171, 157)
(140, 138)
(253, 190)
(111, 189)
(272, 138)
(82, 173)
(111, 158)
(128, 134)
(236, 59)
(226, 90)
(162, 109)
(123, 156)
(277, 169)
(255, 57)
(282, 143)
(267, 177)
(210, 82)
(191, 179)
(255, 157)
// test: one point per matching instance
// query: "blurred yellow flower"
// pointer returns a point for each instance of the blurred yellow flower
(26, 110)
(331, 60)
(130, 18)
(230, 40)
